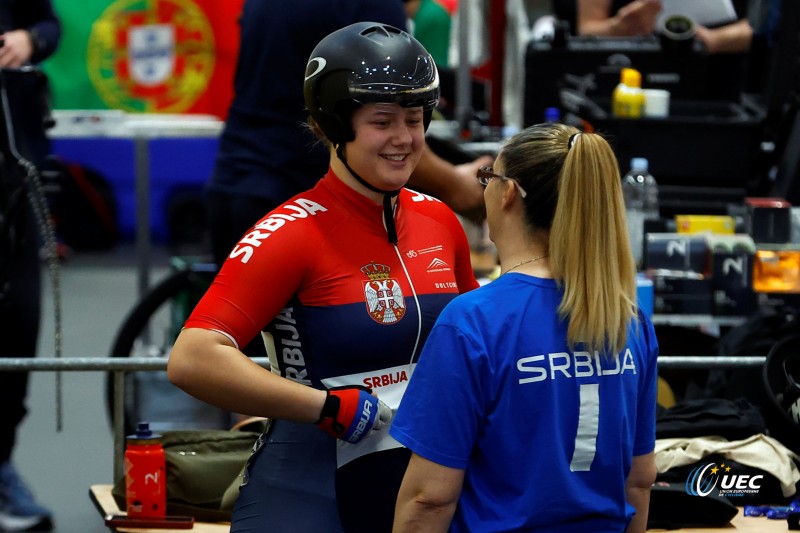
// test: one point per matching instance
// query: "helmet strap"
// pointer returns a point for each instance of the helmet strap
(388, 212)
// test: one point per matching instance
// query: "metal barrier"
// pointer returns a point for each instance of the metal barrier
(119, 366)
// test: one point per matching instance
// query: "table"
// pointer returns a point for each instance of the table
(101, 496)
(105, 503)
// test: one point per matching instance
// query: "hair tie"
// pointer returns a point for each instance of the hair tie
(571, 140)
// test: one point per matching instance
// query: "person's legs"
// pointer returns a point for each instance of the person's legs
(289, 483)
(20, 310)
(19, 319)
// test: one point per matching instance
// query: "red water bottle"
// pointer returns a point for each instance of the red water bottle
(145, 474)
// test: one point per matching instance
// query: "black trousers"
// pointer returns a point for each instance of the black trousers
(20, 267)
(20, 312)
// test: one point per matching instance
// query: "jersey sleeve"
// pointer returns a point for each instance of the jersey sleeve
(261, 275)
(648, 389)
(439, 415)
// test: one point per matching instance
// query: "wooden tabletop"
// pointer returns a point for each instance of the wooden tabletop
(102, 498)
(105, 503)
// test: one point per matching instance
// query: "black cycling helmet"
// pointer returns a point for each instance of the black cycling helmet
(367, 62)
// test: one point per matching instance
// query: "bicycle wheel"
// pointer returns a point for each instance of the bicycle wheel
(149, 330)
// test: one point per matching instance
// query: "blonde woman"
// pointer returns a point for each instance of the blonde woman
(533, 405)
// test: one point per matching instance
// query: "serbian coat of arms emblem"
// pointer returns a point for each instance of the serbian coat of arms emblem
(383, 295)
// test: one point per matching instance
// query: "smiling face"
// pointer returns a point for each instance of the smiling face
(388, 144)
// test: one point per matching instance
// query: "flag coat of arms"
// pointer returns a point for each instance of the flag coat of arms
(148, 56)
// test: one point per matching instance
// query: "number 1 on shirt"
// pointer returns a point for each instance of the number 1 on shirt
(588, 422)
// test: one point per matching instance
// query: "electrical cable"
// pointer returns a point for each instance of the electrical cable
(36, 197)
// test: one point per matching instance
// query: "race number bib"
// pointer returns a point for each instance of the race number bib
(390, 385)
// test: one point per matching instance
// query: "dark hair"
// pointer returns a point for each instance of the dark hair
(575, 193)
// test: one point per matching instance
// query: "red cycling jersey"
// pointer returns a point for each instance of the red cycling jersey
(332, 295)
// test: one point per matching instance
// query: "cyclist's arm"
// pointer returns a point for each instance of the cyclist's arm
(207, 365)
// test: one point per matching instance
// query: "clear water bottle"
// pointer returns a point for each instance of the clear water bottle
(640, 190)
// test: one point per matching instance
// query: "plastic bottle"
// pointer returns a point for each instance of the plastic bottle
(145, 474)
(640, 191)
(628, 97)
(552, 114)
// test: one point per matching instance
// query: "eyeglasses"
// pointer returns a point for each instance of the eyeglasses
(485, 175)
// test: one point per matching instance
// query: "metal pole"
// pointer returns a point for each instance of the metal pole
(119, 424)
(463, 107)
(129, 364)
(710, 361)
(497, 47)
(142, 211)
(120, 365)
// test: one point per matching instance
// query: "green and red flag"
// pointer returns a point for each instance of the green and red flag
(148, 56)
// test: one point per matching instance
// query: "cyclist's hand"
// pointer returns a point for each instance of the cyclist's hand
(352, 413)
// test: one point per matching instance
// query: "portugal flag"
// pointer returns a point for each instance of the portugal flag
(149, 56)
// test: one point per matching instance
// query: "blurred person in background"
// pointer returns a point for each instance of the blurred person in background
(29, 32)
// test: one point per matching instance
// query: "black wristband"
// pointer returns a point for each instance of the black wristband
(330, 408)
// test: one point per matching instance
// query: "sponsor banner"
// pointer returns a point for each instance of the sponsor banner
(148, 56)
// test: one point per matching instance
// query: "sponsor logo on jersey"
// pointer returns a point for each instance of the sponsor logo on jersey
(438, 265)
(422, 251)
(560, 365)
(703, 480)
(431, 249)
(382, 294)
(300, 208)
(151, 55)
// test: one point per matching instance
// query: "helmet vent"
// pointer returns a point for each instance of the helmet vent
(379, 33)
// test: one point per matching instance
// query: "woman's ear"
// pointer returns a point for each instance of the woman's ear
(510, 193)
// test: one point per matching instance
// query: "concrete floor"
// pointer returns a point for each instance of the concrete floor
(98, 289)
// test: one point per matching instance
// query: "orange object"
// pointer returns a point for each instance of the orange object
(145, 475)
(777, 271)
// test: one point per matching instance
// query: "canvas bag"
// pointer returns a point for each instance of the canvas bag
(204, 470)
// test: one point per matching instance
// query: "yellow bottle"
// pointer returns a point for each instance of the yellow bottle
(627, 100)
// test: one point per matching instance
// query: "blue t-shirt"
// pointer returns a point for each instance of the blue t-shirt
(546, 435)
